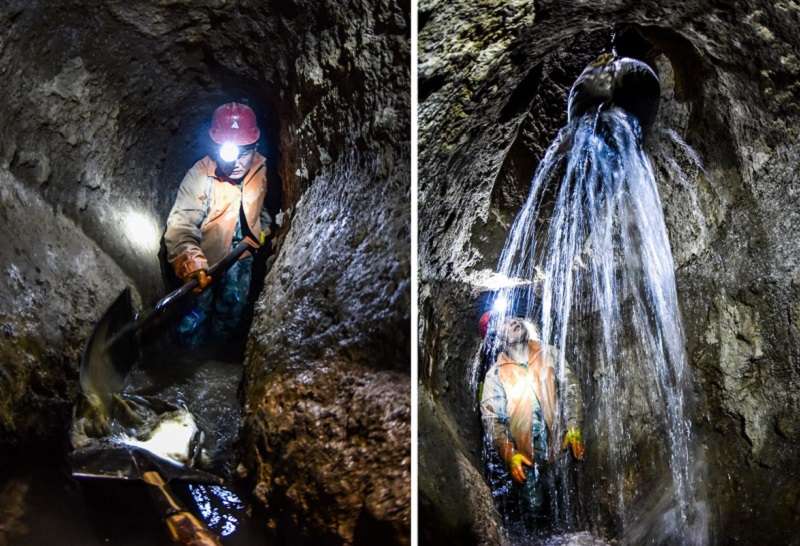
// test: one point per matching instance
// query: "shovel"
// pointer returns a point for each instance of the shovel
(131, 463)
(103, 375)
(129, 335)
(111, 352)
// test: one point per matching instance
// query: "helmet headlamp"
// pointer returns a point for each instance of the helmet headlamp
(500, 305)
(229, 152)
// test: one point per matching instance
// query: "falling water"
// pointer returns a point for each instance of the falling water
(592, 239)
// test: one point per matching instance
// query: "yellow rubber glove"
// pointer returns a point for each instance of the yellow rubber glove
(603, 59)
(516, 467)
(572, 440)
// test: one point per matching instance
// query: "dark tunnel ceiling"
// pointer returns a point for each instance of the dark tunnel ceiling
(113, 108)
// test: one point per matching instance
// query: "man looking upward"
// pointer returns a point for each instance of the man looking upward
(519, 409)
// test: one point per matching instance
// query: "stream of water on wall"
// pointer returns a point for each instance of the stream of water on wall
(591, 265)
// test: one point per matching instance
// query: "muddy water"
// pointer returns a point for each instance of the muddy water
(208, 389)
(43, 505)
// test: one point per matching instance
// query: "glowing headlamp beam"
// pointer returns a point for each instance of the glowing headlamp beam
(500, 305)
(142, 230)
(229, 152)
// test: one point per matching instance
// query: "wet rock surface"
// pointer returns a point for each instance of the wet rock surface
(111, 107)
(492, 97)
(333, 454)
(451, 480)
(327, 414)
(326, 436)
(575, 539)
(56, 283)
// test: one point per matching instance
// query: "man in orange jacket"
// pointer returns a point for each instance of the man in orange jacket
(220, 202)
(519, 409)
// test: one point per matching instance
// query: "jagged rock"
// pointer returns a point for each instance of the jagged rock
(56, 283)
(331, 449)
(105, 110)
(327, 420)
(493, 85)
(450, 480)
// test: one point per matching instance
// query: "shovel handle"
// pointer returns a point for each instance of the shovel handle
(154, 317)
(183, 526)
(218, 267)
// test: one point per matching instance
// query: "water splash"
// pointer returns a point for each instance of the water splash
(592, 236)
(221, 509)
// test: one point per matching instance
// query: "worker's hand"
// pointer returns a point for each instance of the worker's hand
(516, 467)
(203, 280)
(573, 441)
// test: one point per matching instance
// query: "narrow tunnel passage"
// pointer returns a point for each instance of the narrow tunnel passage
(128, 124)
(106, 128)
(485, 124)
(111, 106)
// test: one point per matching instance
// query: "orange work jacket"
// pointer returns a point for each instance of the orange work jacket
(514, 391)
(202, 222)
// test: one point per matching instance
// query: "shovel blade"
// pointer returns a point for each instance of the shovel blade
(120, 462)
(103, 369)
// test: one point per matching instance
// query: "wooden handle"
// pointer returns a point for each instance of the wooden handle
(183, 526)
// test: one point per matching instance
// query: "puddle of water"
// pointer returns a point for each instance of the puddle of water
(43, 501)
(44, 505)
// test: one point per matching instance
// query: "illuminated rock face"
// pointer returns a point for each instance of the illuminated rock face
(327, 415)
(492, 97)
(56, 281)
(111, 106)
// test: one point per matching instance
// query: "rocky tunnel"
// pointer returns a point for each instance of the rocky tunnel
(491, 100)
(104, 109)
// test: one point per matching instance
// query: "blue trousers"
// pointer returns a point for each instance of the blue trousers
(525, 506)
(217, 314)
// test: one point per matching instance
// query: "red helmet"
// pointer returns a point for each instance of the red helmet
(236, 123)
(483, 324)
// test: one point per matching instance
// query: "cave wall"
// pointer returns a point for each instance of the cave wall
(327, 428)
(327, 416)
(492, 96)
(111, 105)
(55, 280)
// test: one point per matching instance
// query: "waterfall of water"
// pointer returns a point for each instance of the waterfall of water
(592, 239)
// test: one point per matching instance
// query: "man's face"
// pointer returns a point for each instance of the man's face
(236, 169)
(514, 331)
